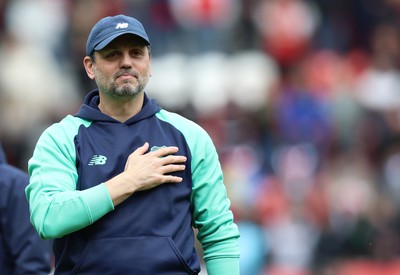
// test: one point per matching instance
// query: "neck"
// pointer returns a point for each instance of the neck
(121, 109)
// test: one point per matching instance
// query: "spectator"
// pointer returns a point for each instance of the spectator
(21, 249)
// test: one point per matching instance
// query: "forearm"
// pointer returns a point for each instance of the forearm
(222, 257)
(61, 213)
(223, 266)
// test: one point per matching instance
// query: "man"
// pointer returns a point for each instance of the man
(21, 249)
(121, 184)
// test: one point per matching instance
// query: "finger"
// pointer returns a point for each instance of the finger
(172, 168)
(169, 178)
(173, 159)
(165, 151)
(142, 149)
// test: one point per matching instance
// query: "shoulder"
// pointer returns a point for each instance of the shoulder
(180, 122)
(59, 137)
(196, 136)
(67, 128)
(67, 124)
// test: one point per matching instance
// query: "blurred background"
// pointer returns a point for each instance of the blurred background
(301, 97)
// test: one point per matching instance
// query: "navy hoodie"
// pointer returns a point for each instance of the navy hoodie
(151, 233)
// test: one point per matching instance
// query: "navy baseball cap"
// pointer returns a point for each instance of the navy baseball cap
(109, 28)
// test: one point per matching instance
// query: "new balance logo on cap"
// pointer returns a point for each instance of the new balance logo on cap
(121, 26)
(98, 160)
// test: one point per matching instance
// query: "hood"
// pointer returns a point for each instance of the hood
(2, 155)
(90, 110)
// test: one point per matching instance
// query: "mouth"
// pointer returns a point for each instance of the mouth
(126, 75)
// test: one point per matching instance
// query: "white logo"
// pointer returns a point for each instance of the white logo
(121, 26)
(98, 160)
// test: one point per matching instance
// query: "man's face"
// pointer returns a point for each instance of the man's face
(122, 68)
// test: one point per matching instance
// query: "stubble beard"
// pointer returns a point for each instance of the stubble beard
(127, 90)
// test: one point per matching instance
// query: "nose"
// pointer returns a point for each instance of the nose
(126, 60)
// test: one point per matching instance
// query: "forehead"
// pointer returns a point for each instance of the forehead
(127, 40)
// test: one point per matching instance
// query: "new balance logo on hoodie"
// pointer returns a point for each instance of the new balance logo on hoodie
(98, 160)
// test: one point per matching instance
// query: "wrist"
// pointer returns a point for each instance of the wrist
(119, 188)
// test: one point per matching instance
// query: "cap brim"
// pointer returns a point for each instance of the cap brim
(106, 41)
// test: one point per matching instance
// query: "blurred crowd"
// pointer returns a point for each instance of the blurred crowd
(301, 97)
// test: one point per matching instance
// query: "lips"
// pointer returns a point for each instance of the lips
(126, 75)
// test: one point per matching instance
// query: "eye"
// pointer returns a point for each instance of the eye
(137, 52)
(111, 55)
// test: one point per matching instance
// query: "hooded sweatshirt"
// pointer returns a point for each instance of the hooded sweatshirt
(152, 231)
(22, 251)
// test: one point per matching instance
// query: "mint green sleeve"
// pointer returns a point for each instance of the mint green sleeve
(223, 266)
(213, 218)
(56, 207)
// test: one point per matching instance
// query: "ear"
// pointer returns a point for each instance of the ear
(88, 64)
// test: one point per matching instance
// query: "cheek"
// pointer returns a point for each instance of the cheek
(101, 74)
(100, 78)
(145, 72)
(144, 68)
